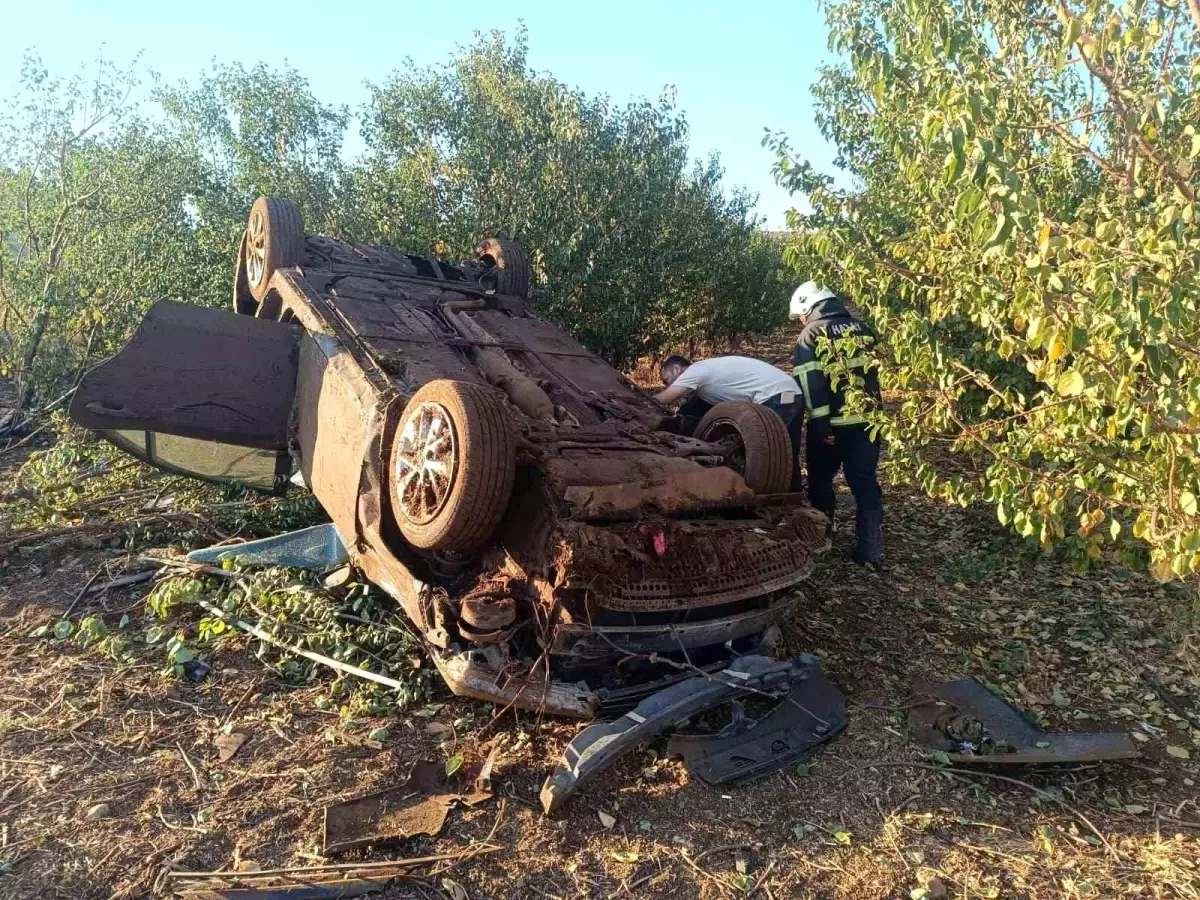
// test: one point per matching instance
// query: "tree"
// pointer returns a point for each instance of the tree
(633, 246)
(1022, 228)
(91, 217)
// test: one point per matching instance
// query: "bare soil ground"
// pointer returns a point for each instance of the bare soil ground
(109, 774)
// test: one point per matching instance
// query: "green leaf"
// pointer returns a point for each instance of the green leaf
(802, 770)
(155, 633)
(799, 831)
(62, 629)
(381, 734)
(1187, 503)
(606, 819)
(1070, 384)
(842, 837)
(1178, 752)
(453, 764)
(1073, 30)
(939, 757)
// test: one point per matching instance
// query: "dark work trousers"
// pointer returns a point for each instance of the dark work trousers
(692, 410)
(857, 455)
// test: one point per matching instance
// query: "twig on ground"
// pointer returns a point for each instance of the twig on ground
(82, 591)
(191, 768)
(720, 882)
(300, 651)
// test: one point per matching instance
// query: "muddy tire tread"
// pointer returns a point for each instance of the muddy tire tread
(765, 438)
(513, 260)
(285, 240)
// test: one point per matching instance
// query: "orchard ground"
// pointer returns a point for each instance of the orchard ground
(97, 792)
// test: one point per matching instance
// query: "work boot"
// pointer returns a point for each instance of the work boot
(869, 526)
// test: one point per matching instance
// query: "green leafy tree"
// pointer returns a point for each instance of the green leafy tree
(93, 221)
(634, 246)
(1022, 229)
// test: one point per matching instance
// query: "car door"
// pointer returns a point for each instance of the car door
(199, 392)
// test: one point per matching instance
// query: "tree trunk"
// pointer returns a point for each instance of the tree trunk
(24, 392)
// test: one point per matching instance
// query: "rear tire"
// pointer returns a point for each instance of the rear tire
(452, 465)
(765, 446)
(510, 265)
(274, 239)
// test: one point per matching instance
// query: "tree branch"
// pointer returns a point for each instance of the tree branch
(1109, 81)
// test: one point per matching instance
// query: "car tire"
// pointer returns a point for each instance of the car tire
(766, 446)
(274, 239)
(509, 266)
(463, 428)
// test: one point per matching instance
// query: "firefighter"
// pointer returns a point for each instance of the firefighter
(836, 440)
(704, 384)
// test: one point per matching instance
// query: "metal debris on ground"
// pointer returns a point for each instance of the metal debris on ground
(736, 751)
(318, 547)
(971, 724)
(750, 746)
(419, 805)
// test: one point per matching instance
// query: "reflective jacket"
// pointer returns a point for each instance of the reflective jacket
(831, 319)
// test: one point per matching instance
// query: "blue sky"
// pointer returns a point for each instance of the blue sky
(738, 67)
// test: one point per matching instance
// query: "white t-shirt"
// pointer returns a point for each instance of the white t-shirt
(735, 378)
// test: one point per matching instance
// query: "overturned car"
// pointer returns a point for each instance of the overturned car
(539, 518)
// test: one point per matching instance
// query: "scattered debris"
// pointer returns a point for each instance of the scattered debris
(318, 547)
(339, 580)
(748, 747)
(596, 747)
(229, 744)
(97, 812)
(195, 670)
(970, 723)
(419, 805)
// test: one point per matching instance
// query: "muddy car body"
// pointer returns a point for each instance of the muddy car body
(558, 546)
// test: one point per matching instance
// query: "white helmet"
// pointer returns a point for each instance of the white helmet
(806, 297)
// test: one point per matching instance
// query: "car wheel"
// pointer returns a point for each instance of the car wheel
(764, 450)
(452, 465)
(274, 240)
(509, 266)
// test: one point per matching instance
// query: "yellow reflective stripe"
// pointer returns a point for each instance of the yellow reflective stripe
(821, 412)
(805, 368)
(846, 420)
(859, 362)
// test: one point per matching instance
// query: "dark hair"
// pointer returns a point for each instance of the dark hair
(674, 360)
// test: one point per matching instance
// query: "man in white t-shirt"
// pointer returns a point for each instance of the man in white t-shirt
(704, 384)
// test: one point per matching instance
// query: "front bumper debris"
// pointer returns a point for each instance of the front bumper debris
(596, 747)
(971, 724)
(812, 712)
